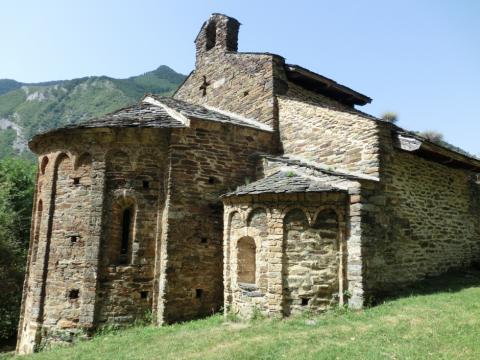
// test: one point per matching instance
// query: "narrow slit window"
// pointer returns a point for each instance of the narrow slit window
(126, 233)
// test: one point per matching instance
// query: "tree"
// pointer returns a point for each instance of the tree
(16, 197)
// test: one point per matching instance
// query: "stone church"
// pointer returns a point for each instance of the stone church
(258, 187)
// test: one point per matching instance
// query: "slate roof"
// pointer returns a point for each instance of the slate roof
(207, 113)
(165, 113)
(282, 182)
(138, 115)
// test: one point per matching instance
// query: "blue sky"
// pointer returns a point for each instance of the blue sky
(420, 59)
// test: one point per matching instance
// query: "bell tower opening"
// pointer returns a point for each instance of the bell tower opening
(210, 35)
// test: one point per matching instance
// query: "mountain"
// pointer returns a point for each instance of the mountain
(26, 109)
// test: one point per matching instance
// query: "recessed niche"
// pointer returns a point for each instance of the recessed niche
(76, 181)
(143, 294)
(203, 240)
(73, 294)
(305, 301)
(212, 180)
(199, 293)
(73, 238)
(146, 184)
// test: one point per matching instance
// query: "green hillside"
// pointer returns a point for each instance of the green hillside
(7, 85)
(26, 109)
(440, 320)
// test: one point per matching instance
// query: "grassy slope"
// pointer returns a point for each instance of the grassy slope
(441, 321)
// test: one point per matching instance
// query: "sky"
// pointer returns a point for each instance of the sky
(419, 59)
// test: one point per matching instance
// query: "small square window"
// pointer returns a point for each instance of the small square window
(144, 294)
(76, 181)
(199, 293)
(203, 240)
(146, 184)
(73, 239)
(305, 302)
(73, 294)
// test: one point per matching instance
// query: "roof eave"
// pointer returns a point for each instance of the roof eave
(332, 89)
(435, 152)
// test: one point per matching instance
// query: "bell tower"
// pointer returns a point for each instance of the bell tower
(218, 34)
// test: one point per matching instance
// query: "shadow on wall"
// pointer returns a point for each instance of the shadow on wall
(452, 281)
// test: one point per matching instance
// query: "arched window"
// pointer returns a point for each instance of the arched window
(125, 235)
(246, 260)
(211, 35)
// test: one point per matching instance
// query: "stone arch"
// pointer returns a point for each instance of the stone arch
(64, 170)
(144, 160)
(295, 219)
(43, 165)
(327, 221)
(257, 222)
(235, 221)
(147, 170)
(322, 211)
(83, 170)
(83, 160)
(117, 161)
(289, 209)
(246, 260)
(118, 169)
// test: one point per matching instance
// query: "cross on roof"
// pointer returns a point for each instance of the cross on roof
(204, 85)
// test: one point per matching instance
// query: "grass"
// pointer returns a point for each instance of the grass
(440, 320)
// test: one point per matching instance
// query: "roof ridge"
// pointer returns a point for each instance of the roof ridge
(240, 117)
(172, 112)
(319, 167)
(207, 112)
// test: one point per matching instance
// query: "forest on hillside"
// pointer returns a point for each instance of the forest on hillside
(17, 178)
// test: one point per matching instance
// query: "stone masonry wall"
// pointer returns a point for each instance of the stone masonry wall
(134, 182)
(206, 160)
(323, 130)
(238, 83)
(299, 251)
(62, 297)
(69, 234)
(430, 221)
